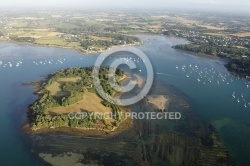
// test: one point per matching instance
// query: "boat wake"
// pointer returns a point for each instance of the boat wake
(166, 74)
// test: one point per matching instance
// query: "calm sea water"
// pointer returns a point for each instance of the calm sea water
(205, 81)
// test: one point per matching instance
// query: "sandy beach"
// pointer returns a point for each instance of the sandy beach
(158, 101)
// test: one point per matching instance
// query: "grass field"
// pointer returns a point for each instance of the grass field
(245, 34)
(52, 40)
(91, 103)
(185, 21)
(41, 36)
(157, 26)
(240, 47)
(55, 89)
(29, 32)
(101, 38)
(211, 27)
(215, 34)
(69, 79)
(18, 23)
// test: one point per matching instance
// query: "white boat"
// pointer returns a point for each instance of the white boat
(233, 94)
(245, 105)
(238, 100)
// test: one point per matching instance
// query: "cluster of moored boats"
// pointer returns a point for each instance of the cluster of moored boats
(11, 64)
(205, 75)
(49, 62)
(241, 99)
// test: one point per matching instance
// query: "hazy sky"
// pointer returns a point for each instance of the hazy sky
(224, 5)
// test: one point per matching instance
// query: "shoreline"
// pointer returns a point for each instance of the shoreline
(70, 48)
(125, 125)
(223, 59)
(199, 54)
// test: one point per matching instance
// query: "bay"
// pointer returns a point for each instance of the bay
(204, 80)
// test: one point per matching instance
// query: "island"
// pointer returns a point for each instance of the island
(70, 93)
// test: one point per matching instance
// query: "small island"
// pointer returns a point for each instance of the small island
(71, 91)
